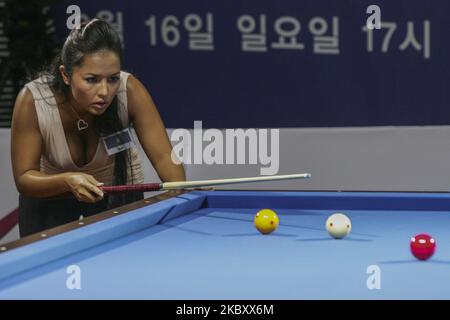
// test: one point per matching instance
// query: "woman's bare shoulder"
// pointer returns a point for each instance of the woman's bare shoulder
(24, 108)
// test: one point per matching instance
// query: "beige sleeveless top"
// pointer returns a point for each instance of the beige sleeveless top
(56, 156)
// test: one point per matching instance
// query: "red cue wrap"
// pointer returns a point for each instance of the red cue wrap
(133, 187)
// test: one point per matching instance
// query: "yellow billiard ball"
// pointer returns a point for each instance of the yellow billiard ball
(266, 221)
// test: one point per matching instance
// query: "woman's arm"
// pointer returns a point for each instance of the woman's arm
(151, 132)
(26, 149)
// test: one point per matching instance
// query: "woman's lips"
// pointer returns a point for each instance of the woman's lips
(100, 105)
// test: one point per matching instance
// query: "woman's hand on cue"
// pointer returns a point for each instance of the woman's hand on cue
(84, 187)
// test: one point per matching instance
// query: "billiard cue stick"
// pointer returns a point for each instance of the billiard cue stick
(197, 184)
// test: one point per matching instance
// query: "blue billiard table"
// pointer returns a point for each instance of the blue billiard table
(204, 245)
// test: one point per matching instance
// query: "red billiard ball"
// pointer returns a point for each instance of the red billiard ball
(422, 246)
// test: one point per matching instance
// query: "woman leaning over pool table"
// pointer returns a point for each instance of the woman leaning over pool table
(58, 121)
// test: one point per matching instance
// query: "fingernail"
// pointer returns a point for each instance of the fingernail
(100, 184)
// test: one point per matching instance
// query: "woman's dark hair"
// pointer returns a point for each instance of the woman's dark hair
(92, 37)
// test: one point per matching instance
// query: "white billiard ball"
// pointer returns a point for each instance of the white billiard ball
(338, 225)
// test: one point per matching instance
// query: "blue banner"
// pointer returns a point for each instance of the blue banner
(286, 63)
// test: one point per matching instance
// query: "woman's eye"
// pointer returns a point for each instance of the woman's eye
(95, 80)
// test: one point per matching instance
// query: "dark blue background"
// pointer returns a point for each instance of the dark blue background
(289, 88)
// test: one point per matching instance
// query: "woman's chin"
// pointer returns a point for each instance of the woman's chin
(98, 110)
